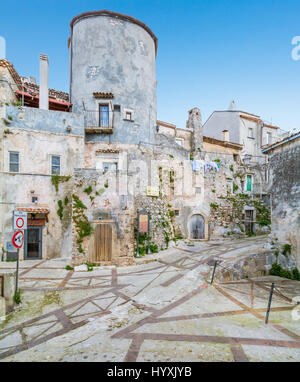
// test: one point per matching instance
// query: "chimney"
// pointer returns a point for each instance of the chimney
(44, 91)
(225, 135)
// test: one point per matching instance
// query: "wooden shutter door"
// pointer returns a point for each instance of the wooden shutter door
(103, 242)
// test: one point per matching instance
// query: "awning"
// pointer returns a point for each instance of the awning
(34, 210)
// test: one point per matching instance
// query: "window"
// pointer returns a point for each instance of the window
(128, 115)
(249, 182)
(103, 115)
(269, 138)
(179, 141)
(250, 133)
(176, 212)
(55, 165)
(34, 199)
(14, 159)
(110, 166)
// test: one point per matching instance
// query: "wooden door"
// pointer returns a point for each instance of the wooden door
(103, 242)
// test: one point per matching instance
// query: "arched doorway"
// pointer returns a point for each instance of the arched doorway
(196, 227)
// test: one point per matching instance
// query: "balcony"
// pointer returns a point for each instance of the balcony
(91, 123)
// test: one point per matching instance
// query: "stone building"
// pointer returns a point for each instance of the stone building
(83, 165)
(39, 147)
(284, 184)
(251, 132)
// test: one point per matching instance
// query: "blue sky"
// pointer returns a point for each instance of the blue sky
(209, 51)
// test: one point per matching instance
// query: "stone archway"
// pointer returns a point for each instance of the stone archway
(196, 226)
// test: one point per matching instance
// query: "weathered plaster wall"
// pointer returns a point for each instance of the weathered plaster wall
(223, 120)
(7, 87)
(285, 189)
(17, 192)
(30, 118)
(37, 135)
(114, 55)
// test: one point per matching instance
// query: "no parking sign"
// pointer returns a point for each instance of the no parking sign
(20, 220)
(18, 239)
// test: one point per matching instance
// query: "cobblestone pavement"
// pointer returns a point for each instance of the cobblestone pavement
(165, 310)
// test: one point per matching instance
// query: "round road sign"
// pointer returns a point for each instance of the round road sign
(20, 223)
(18, 239)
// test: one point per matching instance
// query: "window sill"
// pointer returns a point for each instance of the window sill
(128, 120)
(250, 138)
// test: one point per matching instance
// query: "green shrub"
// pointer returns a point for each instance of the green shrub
(69, 268)
(56, 179)
(286, 249)
(154, 248)
(60, 209)
(17, 297)
(78, 203)
(277, 270)
(296, 274)
(85, 228)
(88, 190)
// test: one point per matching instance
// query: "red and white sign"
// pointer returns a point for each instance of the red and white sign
(20, 220)
(18, 239)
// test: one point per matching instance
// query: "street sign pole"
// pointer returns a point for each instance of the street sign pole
(17, 272)
(148, 252)
(138, 234)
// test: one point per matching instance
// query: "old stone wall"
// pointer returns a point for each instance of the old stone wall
(285, 189)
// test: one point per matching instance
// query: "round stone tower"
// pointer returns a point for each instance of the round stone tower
(112, 76)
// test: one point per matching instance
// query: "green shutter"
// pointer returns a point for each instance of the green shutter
(249, 182)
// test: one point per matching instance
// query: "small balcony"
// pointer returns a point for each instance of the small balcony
(92, 123)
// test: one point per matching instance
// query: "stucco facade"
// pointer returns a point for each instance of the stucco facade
(114, 54)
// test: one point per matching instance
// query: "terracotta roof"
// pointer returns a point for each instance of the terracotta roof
(218, 142)
(255, 119)
(56, 94)
(166, 124)
(258, 120)
(103, 95)
(272, 126)
(6, 64)
(31, 90)
(117, 16)
(34, 210)
(282, 142)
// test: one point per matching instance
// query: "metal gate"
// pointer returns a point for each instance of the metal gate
(33, 243)
(249, 221)
(103, 243)
(196, 227)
